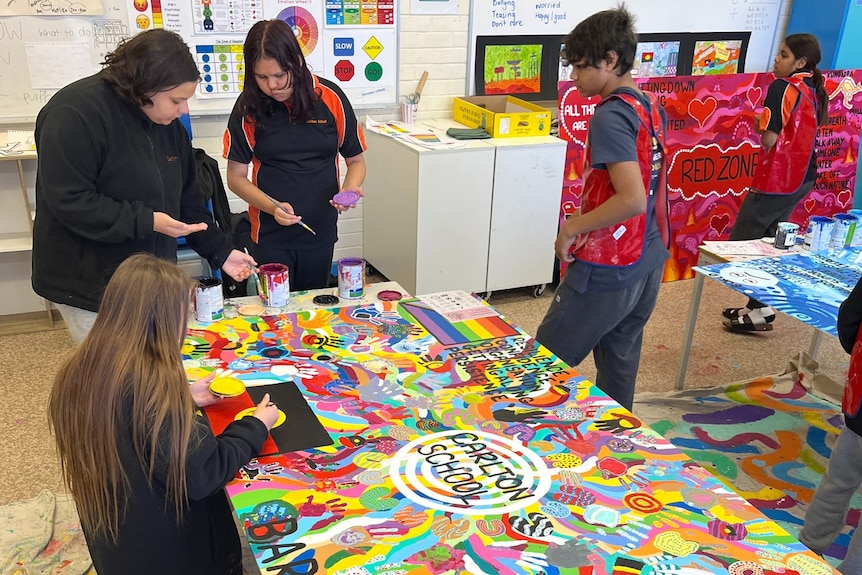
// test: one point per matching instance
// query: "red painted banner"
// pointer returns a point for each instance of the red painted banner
(713, 149)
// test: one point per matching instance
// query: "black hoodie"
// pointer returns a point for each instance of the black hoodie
(103, 168)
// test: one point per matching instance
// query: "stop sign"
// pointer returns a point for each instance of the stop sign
(344, 70)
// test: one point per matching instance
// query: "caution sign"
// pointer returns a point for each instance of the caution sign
(373, 47)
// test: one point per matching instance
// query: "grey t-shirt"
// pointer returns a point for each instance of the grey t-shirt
(612, 138)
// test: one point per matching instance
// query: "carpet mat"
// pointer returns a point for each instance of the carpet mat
(769, 439)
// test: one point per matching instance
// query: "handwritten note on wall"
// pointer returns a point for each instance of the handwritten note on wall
(511, 14)
(491, 17)
(559, 17)
(51, 8)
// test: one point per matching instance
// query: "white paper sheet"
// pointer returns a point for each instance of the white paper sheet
(53, 65)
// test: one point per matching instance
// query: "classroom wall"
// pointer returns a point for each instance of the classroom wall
(436, 43)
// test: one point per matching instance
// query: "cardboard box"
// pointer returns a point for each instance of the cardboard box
(502, 116)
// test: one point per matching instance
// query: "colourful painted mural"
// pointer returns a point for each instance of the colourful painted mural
(768, 438)
(483, 455)
(713, 148)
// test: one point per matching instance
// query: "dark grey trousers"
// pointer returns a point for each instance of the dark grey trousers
(825, 516)
(759, 214)
(608, 323)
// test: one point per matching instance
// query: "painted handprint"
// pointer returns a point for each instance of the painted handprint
(620, 422)
(379, 390)
(318, 319)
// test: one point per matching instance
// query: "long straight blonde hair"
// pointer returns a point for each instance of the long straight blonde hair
(126, 375)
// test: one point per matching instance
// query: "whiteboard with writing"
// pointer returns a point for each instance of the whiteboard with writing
(39, 54)
(559, 17)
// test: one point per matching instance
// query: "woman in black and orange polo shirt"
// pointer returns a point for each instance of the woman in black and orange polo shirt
(291, 126)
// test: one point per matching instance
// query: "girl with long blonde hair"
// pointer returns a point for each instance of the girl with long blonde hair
(145, 470)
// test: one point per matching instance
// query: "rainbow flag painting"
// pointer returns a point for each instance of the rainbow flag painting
(466, 331)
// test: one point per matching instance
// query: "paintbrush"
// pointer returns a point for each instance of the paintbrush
(254, 279)
(283, 209)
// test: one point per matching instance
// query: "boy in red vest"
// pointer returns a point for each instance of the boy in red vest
(620, 235)
(825, 517)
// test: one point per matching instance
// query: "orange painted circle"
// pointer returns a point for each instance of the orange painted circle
(642, 502)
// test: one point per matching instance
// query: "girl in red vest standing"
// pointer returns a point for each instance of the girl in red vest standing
(825, 516)
(796, 103)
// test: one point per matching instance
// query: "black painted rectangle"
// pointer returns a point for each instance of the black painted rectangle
(302, 430)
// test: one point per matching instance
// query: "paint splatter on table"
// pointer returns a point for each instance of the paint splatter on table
(485, 454)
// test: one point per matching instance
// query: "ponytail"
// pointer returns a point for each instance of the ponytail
(806, 46)
(822, 97)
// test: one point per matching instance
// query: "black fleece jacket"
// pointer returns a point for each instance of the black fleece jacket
(151, 541)
(103, 168)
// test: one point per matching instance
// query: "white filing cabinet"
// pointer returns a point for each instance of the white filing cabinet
(528, 183)
(16, 240)
(426, 214)
(478, 218)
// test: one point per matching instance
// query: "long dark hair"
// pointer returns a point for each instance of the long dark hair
(806, 46)
(274, 39)
(603, 32)
(133, 353)
(151, 62)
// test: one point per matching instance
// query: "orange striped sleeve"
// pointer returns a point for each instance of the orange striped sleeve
(788, 103)
(765, 116)
(333, 102)
(225, 144)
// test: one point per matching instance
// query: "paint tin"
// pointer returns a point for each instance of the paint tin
(351, 278)
(842, 233)
(209, 302)
(819, 233)
(785, 235)
(274, 284)
(857, 234)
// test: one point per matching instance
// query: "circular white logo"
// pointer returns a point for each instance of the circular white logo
(748, 276)
(470, 473)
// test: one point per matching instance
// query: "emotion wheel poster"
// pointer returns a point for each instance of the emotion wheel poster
(713, 149)
(431, 442)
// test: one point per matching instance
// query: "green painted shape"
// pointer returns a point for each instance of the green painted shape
(723, 466)
(663, 426)
(373, 71)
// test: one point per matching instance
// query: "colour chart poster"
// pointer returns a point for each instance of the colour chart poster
(350, 42)
(713, 149)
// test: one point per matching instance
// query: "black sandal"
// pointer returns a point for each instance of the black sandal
(755, 320)
(735, 312)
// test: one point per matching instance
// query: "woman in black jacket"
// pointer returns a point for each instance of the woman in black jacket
(116, 176)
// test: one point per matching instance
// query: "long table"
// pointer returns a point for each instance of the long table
(431, 435)
(808, 286)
